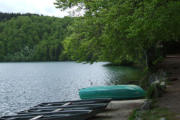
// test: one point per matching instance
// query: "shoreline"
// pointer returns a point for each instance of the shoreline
(165, 103)
(171, 99)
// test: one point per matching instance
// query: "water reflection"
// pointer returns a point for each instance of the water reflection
(122, 75)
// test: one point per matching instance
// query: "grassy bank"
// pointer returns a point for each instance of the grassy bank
(153, 114)
(165, 92)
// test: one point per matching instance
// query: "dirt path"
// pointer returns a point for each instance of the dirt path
(119, 110)
(171, 99)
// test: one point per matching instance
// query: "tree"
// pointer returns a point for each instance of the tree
(122, 31)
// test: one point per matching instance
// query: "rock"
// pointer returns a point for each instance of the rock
(146, 105)
(163, 83)
(163, 118)
(156, 82)
(138, 118)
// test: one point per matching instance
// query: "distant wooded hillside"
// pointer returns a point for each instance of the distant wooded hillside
(7, 16)
(29, 37)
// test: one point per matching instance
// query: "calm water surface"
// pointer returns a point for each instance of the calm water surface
(23, 85)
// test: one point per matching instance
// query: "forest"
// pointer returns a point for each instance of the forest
(30, 37)
(122, 32)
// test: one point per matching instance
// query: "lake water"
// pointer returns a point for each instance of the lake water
(23, 85)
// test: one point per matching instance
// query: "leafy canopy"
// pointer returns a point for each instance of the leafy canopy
(121, 30)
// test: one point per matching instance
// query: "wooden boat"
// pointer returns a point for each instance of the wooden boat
(114, 92)
(83, 115)
(73, 106)
(98, 108)
(66, 110)
(76, 102)
(95, 104)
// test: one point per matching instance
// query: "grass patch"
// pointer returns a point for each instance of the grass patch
(133, 115)
(153, 114)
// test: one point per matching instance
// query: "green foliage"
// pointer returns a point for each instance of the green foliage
(133, 115)
(118, 31)
(83, 43)
(8, 16)
(122, 30)
(155, 90)
(32, 38)
(153, 114)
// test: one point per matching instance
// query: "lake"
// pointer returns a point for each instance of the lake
(23, 85)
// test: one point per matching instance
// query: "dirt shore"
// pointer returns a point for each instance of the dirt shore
(171, 99)
(119, 110)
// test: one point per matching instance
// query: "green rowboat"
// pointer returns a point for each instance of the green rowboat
(120, 92)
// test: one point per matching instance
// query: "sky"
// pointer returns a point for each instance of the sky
(43, 7)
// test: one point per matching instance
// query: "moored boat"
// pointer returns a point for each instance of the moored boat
(65, 110)
(39, 110)
(119, 92)
(81, 115)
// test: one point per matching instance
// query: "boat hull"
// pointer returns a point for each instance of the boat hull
(119, 92)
